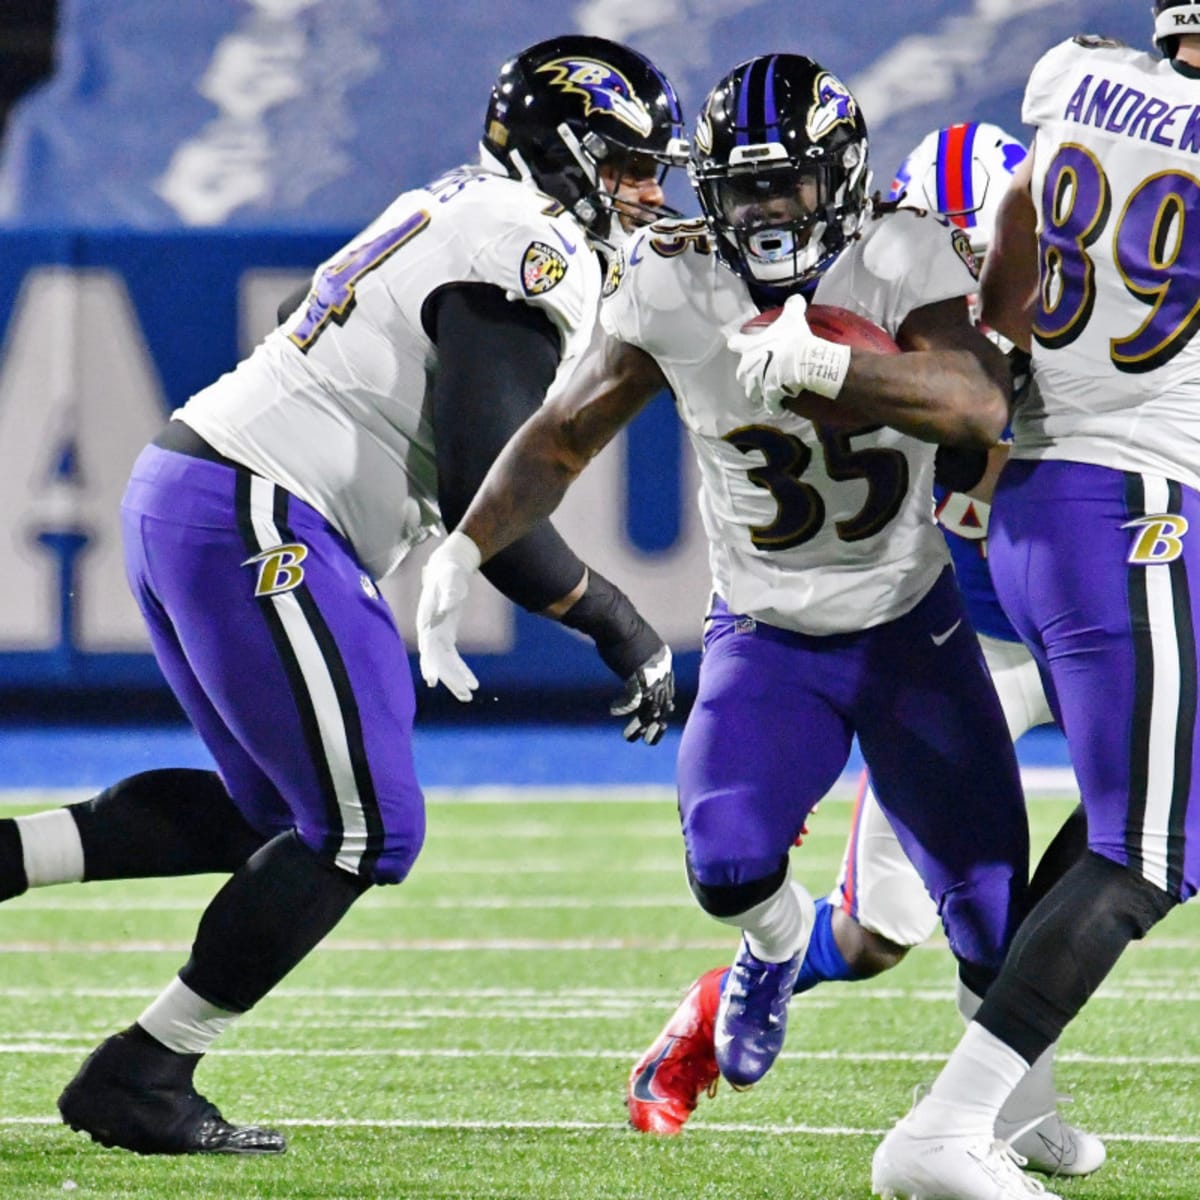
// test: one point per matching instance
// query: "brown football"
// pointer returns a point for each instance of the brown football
(836, 325)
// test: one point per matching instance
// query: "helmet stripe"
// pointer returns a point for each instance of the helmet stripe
(770, 111)
(757, 117)
(741, 122)
(956, 146)
(674, 108)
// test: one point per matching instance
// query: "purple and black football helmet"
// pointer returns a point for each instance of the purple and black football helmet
(779, 163)
(564, 106)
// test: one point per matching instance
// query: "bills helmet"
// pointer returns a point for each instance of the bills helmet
(961, 171)
(561, 108)
(779, 164)
(1171, 19)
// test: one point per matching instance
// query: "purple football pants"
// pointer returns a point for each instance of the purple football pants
(1101, 577)
(771, 732)
(284, 656)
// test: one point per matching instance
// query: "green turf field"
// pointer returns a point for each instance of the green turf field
(469, 1033)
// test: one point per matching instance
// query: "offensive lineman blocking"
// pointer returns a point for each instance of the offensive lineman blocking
(256, 525)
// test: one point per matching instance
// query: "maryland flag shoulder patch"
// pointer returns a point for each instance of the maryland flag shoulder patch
(541, 269)
(614, 274)
(962, 247)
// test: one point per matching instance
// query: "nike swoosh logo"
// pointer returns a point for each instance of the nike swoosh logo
(641, 1085)
(939, 638)
(569, 247)
(762, 372)
(721, 1040)
(1059, 1150)
(788, 389)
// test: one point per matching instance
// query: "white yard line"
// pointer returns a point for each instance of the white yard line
(1037, 781)
(391, 945)
(469, 945)
(34, 902)
(696, 1129)
(33, 1046)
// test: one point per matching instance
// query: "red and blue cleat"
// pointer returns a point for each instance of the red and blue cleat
(666, 1083)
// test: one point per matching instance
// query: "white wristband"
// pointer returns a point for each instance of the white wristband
(827, 365)
(461, 551)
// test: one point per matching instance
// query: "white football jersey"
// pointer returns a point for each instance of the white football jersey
(332, 405)
(817, 530)
(1116, 184)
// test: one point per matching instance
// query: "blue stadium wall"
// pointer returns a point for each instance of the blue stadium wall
(187, 165)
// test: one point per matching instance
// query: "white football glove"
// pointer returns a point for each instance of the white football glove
(445, 582)
(785, 358)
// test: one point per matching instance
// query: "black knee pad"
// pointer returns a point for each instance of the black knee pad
(721, 900)
(1065, 949)
(13, 880)
(176, 821)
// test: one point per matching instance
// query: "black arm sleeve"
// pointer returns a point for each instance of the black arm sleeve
(496, 359)
(1020, 365)
(623, 639)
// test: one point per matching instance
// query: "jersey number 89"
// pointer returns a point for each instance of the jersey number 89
(1154, 252)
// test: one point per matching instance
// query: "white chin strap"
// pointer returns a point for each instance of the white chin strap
(584, 209)
(588, 210)
(515, 157)
(586, 162)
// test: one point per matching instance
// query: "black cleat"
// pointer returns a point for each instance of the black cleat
(134, 1093)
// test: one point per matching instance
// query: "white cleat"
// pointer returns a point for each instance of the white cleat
(1055, 1148)
(964, 1167)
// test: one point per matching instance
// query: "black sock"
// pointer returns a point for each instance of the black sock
(13, 880)
(267, 917)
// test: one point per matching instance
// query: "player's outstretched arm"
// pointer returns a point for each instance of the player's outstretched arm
(527, 560)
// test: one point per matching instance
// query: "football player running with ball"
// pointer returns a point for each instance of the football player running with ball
(258, 522)
(834, 610)
(879, 908)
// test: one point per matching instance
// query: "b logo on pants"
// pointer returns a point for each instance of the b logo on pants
(279, 569)
(1159, 539)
